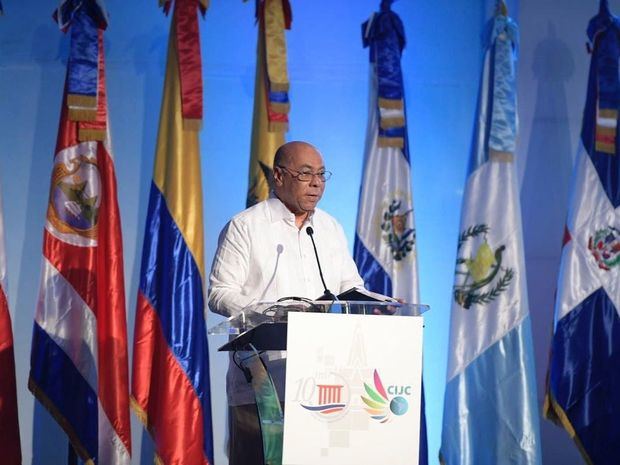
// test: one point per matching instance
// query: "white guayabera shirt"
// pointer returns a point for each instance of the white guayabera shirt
(263, 256)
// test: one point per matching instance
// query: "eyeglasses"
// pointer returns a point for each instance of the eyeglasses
(306, 176)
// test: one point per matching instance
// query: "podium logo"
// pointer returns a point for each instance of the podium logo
(327, 400)
(383, 404)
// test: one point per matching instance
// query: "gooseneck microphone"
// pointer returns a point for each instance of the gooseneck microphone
(327, 295)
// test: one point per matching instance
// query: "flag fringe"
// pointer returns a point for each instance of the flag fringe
(82, 114)
(192, 124)
(77, 100)
(392, 104)
(279, 86)
(398, 142)
(392, 122)
(277, 126)
(49, 405)
(605, 131)
(280, 107)
(501, 156)
(605, 147)
(139, 411)
(143, 417)
(91, 134)
(555, 413)
(608, 113)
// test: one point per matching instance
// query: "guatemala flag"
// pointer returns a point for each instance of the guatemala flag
(490, 413)
(583, 383)
(385, 248)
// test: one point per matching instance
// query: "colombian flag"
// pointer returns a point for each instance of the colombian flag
(271, 102)
(170, 385)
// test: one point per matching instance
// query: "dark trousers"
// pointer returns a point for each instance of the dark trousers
(245, 443)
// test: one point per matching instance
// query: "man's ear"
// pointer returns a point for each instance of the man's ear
(277, 176)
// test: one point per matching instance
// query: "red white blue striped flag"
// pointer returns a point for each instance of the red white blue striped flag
(79, 367)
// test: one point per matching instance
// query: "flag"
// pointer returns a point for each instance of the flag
(78, 367)
(583, 378)
(271, 102)
(490, 413)
(170, 383)
(385, 241)
(10, 448)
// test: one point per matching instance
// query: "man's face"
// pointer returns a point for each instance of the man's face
(299, 196)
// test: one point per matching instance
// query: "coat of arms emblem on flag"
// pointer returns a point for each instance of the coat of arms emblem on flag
(480, 276)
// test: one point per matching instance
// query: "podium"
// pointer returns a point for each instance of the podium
(353, 370)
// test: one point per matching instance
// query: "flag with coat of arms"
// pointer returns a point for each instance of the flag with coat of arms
(583, 379)
(78, 367)
(385, 241)
(490, 407)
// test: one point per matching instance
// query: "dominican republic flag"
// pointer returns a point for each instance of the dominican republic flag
(385, 240)
(78, 367)
(10, 449)
(170, 383)
(490, 408)
(583, 382)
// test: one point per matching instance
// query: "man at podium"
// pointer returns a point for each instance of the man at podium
(266, 253)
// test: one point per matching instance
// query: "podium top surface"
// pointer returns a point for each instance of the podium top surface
(276, 312)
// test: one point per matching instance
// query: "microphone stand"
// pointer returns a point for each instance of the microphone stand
(327, 294)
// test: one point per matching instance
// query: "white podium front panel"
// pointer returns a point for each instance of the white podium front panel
(352, 389)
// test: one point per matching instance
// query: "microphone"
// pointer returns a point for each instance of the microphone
(327, 295)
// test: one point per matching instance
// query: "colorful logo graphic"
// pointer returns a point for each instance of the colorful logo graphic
(399, 237)
(378, 403)
(605, 247)
(480, 278)
(328, 399)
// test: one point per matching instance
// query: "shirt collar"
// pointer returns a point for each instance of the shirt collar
(279, 212)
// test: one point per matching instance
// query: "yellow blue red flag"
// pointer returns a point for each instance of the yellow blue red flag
(170, 384)
(271, 102)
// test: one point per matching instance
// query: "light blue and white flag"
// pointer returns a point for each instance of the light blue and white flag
(385, 240)
(490, 411)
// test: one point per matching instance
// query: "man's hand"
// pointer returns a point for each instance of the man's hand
(388, 309)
